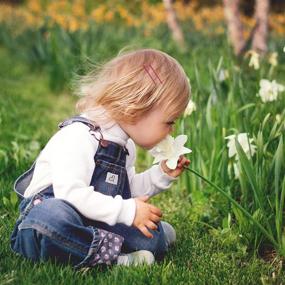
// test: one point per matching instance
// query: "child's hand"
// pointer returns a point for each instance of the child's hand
(182, 161)
(146, 216)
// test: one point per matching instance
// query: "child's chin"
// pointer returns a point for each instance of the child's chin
(147, 147)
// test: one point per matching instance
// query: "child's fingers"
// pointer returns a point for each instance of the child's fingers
(145, 231)
(183, 161)
(155, 218)
(155, 210)
(151, 225)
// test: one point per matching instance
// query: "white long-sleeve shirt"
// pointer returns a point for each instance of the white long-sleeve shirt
(67, 162)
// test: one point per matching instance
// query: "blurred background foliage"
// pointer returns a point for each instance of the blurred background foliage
(61, 35)
(75, 14)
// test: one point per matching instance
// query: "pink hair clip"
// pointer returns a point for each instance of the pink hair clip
(151, 72)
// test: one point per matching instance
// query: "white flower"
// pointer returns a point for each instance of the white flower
(273, 59)
(254, 59)
(245, 143)
(223, 75)
(170, 149)
(191, 107)
(268, 91)
(284, 49)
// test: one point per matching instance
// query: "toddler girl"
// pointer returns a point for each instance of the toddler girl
(82, 202)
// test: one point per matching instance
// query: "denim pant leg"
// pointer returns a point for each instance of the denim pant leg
(53, 229)
(134, 240)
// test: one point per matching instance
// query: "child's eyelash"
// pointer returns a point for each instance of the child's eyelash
(171, 123)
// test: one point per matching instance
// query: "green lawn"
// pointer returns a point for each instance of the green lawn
(29, 114)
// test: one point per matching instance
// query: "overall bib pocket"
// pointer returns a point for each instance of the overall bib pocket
(109, 178)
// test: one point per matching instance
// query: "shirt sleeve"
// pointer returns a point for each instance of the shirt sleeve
(72, 164)
(150, 182)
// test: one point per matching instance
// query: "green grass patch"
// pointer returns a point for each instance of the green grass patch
(29, 114)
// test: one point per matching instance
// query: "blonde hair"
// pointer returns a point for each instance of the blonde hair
(131, 84)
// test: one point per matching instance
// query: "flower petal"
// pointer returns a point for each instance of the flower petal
(170, 149)
(180, 140)
(171, 163)
(185, 150)
(157, 159)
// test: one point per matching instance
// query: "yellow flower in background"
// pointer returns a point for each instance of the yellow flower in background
(78, 8)
(109, 16)
(206, 20)
(273, 59)
(123, 12)
(61, 20)
(34, 6)
(99, 13)
(73, 25)
(254, 59)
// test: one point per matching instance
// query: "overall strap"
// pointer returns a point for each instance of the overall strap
(89, 123)
(24, 180)
(93, 128)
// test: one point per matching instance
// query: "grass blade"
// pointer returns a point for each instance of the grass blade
(243, 210)
(250, 174)
(277, 170)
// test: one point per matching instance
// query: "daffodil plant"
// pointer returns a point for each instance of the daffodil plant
(171, 148)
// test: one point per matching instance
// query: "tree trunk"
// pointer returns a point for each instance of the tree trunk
(173, 24)
(235, 27)
(259, 41)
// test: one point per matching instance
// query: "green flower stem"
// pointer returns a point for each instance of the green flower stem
(245, 212)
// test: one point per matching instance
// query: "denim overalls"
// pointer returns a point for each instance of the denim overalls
(51, 228)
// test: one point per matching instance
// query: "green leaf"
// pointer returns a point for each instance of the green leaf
(6, 201)
(279, 156)
(267, 233)
(283, 240)
(281, 209)
(245, 107)
(248, 170)
(265, 120)
(13, 198)
(208, 112)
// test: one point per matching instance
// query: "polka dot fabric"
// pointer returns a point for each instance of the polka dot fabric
(109, 248)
